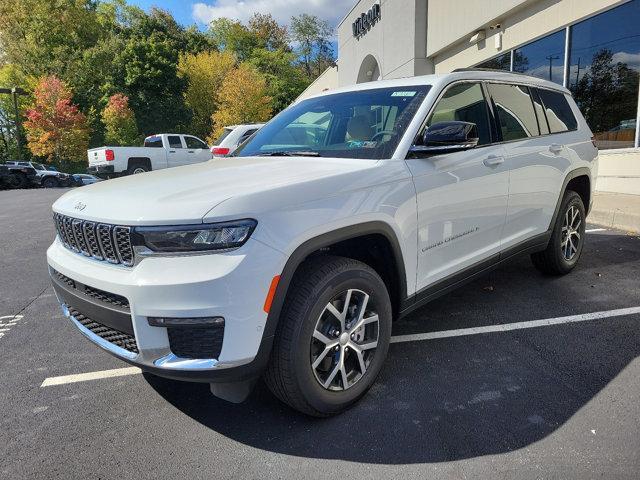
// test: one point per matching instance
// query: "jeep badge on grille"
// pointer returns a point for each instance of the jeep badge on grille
(80, 206)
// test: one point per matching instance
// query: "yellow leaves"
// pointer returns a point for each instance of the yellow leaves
(242, 99)
(204, 73)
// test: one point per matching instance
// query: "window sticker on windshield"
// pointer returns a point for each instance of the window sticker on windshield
(403, 94)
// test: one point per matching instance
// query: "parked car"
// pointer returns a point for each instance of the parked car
(159, 151)
(81, 179)
(17, 176)
(232, 137)
(45, 177)
(291, 262)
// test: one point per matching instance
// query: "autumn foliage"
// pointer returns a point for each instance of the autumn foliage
(241, 99)
(55, 128)
(119, 121)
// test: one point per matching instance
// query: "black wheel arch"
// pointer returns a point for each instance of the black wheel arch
(572, 176)
(135, 161)
(316, 244)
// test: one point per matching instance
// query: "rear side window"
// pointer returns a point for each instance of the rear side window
(559, 114)
(539, 108)
(174, 141)
(225, 134)
(464, 102)
(153, 142)
(247, 134)
(514, 108)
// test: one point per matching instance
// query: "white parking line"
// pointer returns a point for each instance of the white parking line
(505, 327)
(120, 372)
(83, 377)
(591, 230)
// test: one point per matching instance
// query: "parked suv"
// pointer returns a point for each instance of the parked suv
(46, 176)
(290, 261)
(232, 137)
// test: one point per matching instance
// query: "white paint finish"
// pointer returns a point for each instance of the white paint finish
(84, 377)
(506, 327)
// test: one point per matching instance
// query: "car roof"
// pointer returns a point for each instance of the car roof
(440, 80)
(233, 127)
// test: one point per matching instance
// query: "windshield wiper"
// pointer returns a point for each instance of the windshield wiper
(291, 153)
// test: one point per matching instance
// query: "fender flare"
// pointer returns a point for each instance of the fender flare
(578, 172)
(324, 240)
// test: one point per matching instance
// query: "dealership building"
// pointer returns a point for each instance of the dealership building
(592, 47)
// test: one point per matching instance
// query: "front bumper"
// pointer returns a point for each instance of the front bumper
(231, 285)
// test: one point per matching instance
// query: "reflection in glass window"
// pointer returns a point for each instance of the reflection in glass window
(537, 105)
(501, 62)
(543, 58)
(560, 118)
(515, 111)
(603, 73)
(464, 102)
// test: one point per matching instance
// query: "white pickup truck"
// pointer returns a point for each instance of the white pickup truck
(159, 151)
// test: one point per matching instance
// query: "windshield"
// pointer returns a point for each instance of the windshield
(360, 124)
(38, 166)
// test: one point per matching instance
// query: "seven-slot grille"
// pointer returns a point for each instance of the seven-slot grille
(102, 241)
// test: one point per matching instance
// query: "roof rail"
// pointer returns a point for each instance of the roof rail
(480, 69)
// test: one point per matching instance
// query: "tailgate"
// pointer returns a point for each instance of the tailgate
(96, 156)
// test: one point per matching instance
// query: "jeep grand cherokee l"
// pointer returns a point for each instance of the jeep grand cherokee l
(290, 260)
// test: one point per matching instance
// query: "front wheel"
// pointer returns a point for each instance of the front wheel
(50, 182)
(567, 238)
(332, 337)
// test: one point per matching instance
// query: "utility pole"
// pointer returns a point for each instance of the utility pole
(551, 58)
(14, 92)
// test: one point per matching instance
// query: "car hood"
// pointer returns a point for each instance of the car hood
(187, 194)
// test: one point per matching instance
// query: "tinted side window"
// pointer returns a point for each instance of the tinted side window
(246, 135)
(174, 141)
(464, 102)
(542, 118)
(193, 142)
(559, 114)
(516, 116)
(153, 142)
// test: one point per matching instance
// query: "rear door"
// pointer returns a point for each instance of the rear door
(461, 196)
(536, 163)
(197, 150)
(177, 153)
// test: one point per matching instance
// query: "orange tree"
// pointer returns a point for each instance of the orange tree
(55, 128)
(119, 121)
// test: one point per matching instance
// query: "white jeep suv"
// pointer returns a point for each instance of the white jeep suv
(290, 261)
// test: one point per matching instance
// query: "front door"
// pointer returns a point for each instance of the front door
(177, 154)
(461, 196)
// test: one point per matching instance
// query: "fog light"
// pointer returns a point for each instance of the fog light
(186, 322)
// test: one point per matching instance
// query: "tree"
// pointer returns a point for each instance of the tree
(242, 99)
(233, 36)
(285, 81)
(312, 35)
(204, 74)
(269, 33)
(55, 128)
(119, 121)
(606, 93)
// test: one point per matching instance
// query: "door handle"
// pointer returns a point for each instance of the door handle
(555, 148)
(172, 151)
(190, 151)
(493, 160)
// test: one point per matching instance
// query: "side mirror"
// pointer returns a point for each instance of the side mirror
(447, 137)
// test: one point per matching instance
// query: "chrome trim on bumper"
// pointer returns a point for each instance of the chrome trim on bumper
(102, 343)
(159, 358)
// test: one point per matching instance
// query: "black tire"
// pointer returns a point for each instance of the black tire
(50, 182)
(554, 260)
(136, 168)
(290, 374)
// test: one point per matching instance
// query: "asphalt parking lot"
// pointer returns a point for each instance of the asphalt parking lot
(494, 396)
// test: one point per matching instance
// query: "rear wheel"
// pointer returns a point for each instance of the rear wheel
(567, 239)
(136, 168)
(50, 182)
(332, 337)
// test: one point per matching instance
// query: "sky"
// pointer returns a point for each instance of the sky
(202, 12)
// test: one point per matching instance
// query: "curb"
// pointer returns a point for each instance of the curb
(621, 217)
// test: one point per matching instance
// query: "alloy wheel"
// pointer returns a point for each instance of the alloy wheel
(571, 237)
(344, 340)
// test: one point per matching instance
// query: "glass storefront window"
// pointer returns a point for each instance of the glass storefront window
(543, 58)
(502, 62)
(604, 72)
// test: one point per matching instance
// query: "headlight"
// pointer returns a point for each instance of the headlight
(195, 238)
